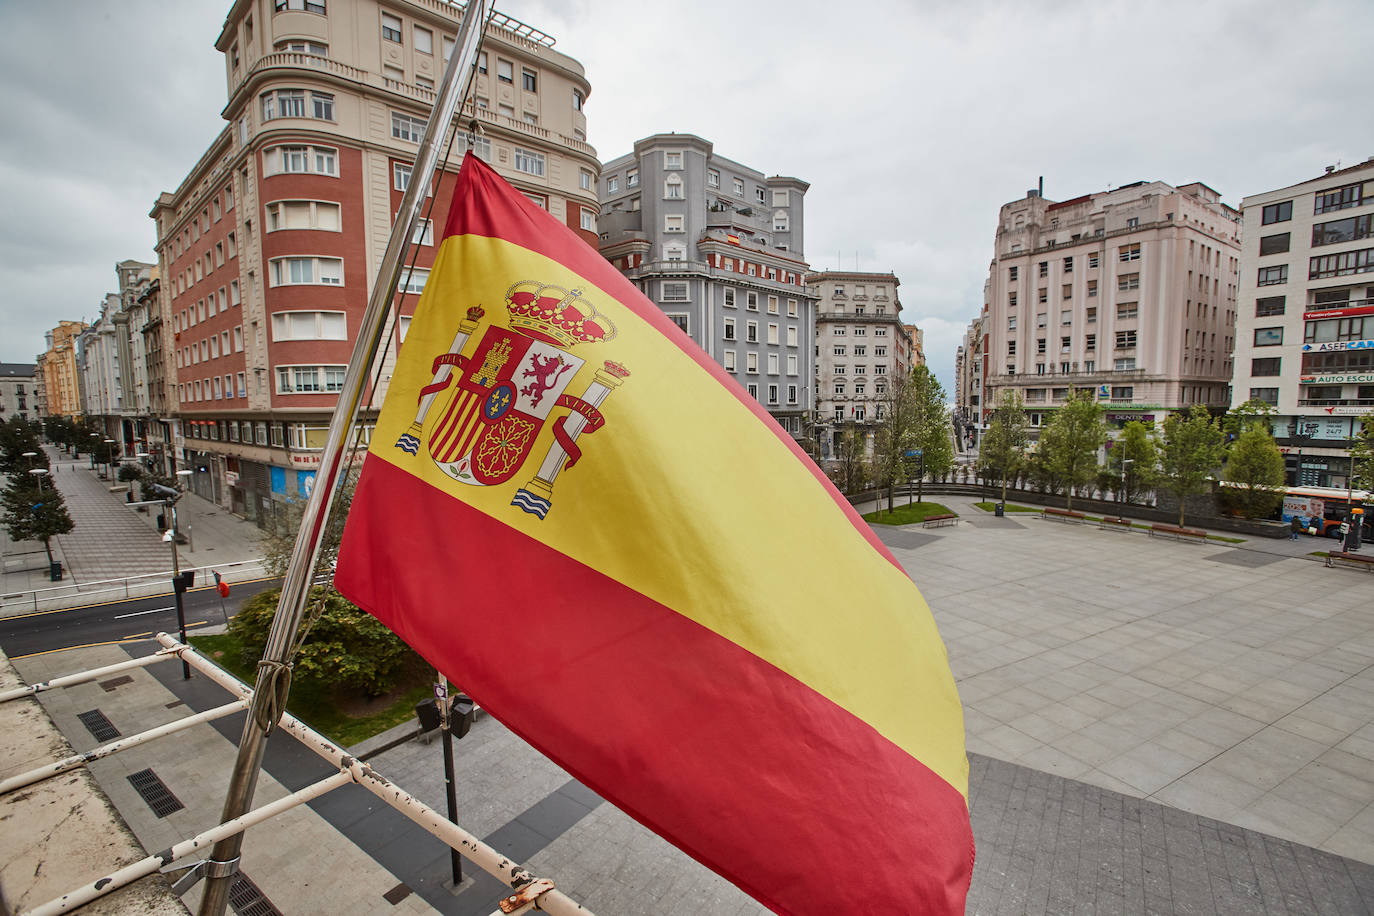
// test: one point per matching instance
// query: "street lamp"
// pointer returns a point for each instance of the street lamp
(169, 498)
(1121, 497)
(109, 455)
(30, 456)
(38, 476)
(95, 436)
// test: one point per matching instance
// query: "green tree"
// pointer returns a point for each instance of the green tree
(1190, 453)
(852, 471)
(895, 435)
(17, 437)
(1069, 444)
(1255, 465)
(34, 512)
(930, 426)
(343, 647)
(1251, 412)
(1137, 454)
(1003, 449)
(1362, 454)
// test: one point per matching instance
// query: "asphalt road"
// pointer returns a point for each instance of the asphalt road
(120, 621)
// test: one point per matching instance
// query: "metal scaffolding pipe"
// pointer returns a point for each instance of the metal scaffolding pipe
(47, 771)
(433, 822)
(71, 680)
(141, 869)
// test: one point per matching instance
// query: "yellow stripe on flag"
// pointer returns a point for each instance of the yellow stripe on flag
(864, 640)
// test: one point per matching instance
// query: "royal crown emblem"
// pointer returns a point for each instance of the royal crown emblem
(483, 410)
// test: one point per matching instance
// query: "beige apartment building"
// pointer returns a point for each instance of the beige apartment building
(970, 366)
(1129, 292)
(861, 345)
(1305, 336)
(269, 247)
(57, 365)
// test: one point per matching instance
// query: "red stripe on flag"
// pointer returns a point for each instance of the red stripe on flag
(795, 800)
(485, 205)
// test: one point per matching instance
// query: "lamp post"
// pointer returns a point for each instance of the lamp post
(33, 455)
(95, 436)
(38, 476)
(1121, 497)
(109, 455)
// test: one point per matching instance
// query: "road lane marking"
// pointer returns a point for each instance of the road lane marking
(141, 613)
(89, 645)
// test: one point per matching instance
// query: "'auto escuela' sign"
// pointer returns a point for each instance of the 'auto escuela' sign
(1360, 378)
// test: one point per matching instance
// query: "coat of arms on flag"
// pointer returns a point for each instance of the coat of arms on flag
(494, 398)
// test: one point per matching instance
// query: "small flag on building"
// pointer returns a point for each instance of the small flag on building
(579, 517)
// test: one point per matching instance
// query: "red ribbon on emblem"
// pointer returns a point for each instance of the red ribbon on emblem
(589, 413)
(443, 359)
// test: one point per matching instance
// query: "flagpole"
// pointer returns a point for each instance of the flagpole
(273, 678)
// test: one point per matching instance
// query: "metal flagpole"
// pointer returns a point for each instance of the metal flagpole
(273, 680)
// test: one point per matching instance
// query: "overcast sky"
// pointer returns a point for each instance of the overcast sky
(913, 122)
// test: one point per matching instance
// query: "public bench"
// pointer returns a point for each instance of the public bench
(1172, 531)
(1114, 524)
(1065, 515)
(1357, 559)
(935, 521)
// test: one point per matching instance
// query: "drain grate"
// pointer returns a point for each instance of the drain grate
(155, 792)
(114, 682)
(247, 899)
(100, 727)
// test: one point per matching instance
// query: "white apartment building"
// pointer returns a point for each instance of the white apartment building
(970, 366)
(861, 344)
(1305, 338)
(1130, 292)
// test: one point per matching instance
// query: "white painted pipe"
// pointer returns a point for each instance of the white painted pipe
(83, 677)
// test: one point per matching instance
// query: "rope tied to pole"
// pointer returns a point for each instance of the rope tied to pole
(276, 686)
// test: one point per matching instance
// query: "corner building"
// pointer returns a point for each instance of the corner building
(718, 247)
(269, 248)
(1306, 329)
(861, 345)
(1130, 293)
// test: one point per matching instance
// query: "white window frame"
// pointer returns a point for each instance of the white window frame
(324, 271)
(292, 325)
(527, 161)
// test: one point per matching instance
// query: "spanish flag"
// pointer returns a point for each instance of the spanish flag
(576, 515)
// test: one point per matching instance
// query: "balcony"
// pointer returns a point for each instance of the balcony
(1098, 376)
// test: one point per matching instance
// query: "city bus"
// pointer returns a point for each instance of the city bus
(1323, 509)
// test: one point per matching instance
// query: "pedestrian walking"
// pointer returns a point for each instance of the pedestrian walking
(1294, 526)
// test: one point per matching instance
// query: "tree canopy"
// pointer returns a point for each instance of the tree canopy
(1003, 450)
(1255, 465)
(1190, 453)
(31, 511)
(1069, 444)
(1136, 456)
(930, 424)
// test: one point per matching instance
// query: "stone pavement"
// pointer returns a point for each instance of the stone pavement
(111, 541)
(1154, 727)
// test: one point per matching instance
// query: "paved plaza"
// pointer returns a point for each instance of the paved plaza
(1153, 726)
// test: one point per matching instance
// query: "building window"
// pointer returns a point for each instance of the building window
(588, 219)
(675, 252)
(1267, 395)
(672, 160)
(1351, 195)
(675, 292)
(391, 28)
(729, 329)
(302, 214)
(751, 363)
(526, 161)
(1011, 300)
(679, 319)
(310, 379)
(673, 223)
(1068, 264)
(728, 297)
(1127, 282)
(1132, 222)
(578, 99)
(1092, 260)
(672, 188)
(505, 71)
(1275, 244)
(1122, 392)
(792, 335)
(1269, 306)
(529, 80)
(751, 332)
(1277, 213)
(1339, 265)
(1265, 366)
(309, 326)
(306, 271)
(1011, 323)
(1044, 268)
(780, 221)
(405, 127)
(632, 179)
(1350, 229)
(1268, 337)
(1125, 340)
(1129, 252)
(1040, 345)
(291, 103)
(1090, 342)
(1124, 364)
(737, 185)
(1127, 310)
(1272, 276)
(308, 6)
(1011, 348)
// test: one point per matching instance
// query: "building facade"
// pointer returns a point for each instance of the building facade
(970, 366)
(111, 362)
(861, 346)
(719, 247)
(1130, 293)
(269, 248)
(1305, 337)
(61, 386)
(17, 392)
